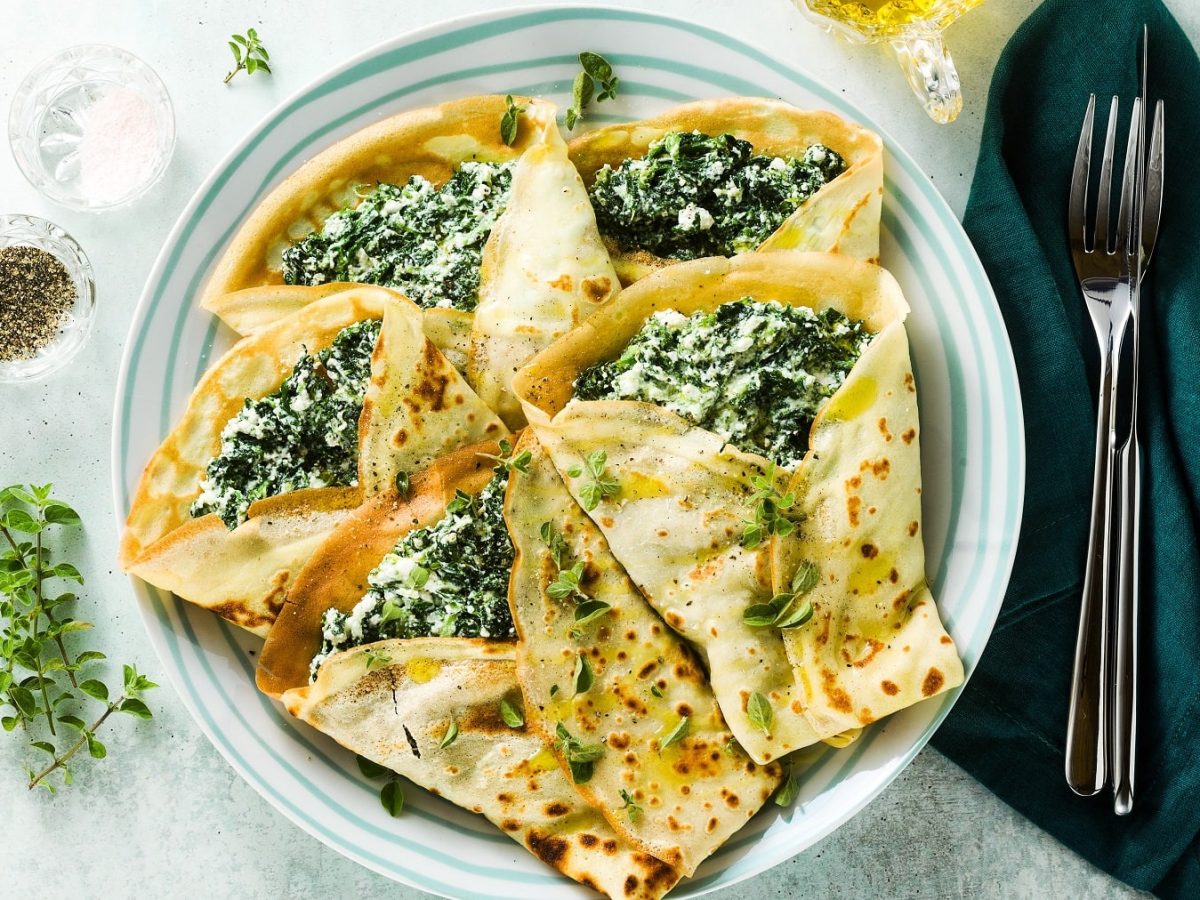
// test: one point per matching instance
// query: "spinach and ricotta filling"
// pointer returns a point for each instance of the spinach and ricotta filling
(448, 579)
(425, 241)
(694, 195)
(304, 435)
(755, 373)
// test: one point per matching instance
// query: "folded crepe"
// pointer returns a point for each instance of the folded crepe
(544, 270)
(875, 643)
(432, 142)
(841, 216)
(335, 575)
(429, 709)
(676, 513)
(620, 688)
(415, 407)
(252, 309)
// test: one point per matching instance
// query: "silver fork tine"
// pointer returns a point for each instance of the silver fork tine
(1104, 240)
(1077, 205)
(1128, 182)
(1152, 210)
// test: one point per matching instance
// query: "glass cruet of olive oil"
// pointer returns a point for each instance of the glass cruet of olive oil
(914, 30)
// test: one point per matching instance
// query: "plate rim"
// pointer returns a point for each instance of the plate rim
(1005, 361)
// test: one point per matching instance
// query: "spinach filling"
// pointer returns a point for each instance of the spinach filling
(448, 579)
(693, 195)
(754, 373)
(427, 242)
(303, 435)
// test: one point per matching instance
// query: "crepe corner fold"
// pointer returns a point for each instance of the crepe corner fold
(876, 643)
(244, 573)
(545, 269)
(335, 576)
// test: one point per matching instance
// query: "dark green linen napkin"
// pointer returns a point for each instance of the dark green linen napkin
(1008, 727)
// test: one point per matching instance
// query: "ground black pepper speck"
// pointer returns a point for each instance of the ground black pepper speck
(36, 294)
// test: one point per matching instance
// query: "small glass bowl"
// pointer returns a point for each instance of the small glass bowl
(49, 117)
(29, 231)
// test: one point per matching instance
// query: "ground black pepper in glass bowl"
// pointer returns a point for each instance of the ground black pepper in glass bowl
(47, 298)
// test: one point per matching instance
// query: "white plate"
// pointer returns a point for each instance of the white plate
(972, 440)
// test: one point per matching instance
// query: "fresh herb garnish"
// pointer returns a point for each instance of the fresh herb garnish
(586, 613)
(370, 768)
(450, 736)
(555, 543)
(506, 462)
(596, 70)
(567, 583)
(786, 610)
(376, 659)
(584, 677)
(513, 717)
(403, 484)
(632, 809)
(656, 691)
(805, 578)
(41, 682)
(508, 123)
(248, 53)
(581, 96)
(761, 713)
(462, 500)
(786, 795)
(391, 795)
(600, 484)
(771, 510)
(678, 733)
(581, 757)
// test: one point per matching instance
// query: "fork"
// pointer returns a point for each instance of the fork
(1103, 265)
(1128, 486)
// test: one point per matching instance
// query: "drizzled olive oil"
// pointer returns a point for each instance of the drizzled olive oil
(880, 18)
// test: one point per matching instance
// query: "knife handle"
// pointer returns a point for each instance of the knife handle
(1087, 722)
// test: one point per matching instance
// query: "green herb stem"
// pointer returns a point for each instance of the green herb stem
(32, 646)
(61, 759)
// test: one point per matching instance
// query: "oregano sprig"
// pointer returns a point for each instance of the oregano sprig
(507, 462)
(248, 54)
(555, 543)
(509, 121)
(391, 795)
(47, 688)
(788, 609)
(599, 484)
(632, 808)
(596, 70)
(568, 584)
(581, 757)
(772, 510)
